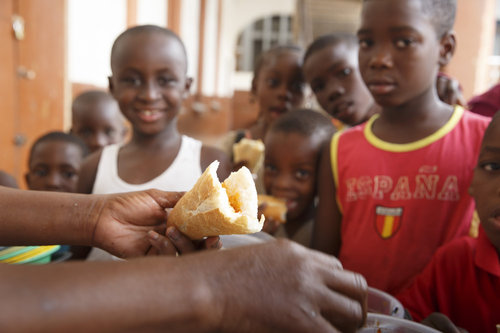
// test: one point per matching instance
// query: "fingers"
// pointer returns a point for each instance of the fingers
(212, 243)
(345, 305)
(181, 242)
(160, 244)
(165, 199)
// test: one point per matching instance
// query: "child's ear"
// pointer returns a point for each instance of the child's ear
(187, 87)
(447, 48)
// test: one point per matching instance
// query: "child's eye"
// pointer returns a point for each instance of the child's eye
(270, 168)
(365, 43)
(109, 131)
(131, 81)
(302, 174)
(403, 43)
(490, 166)
(345, 72)
(163, 81)
(272, 83)
(297, 86)
(85, 132)
(317, 87)
(69, 174)
(40, 172)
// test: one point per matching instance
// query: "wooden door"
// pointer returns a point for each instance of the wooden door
(33, 77)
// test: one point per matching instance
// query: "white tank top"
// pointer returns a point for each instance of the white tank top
(180, 176)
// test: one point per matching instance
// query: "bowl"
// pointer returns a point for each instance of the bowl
(383, 303)
(28, 254)
(379, 323)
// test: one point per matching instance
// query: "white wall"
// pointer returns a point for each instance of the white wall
(189, 32)
(93, 25)
(152, 12)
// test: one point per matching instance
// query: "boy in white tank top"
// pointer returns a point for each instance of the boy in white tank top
(149, 82)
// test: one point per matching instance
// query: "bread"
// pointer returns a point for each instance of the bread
(211, 208)
(251, 151)
(275, 208)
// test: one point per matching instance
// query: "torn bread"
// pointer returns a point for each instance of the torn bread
(251, 151)
(211, 208)
(274, 208)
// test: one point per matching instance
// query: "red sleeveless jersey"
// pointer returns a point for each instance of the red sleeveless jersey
(400, 202)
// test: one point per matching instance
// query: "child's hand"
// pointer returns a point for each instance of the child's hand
(176, 243)
(270, 225)
(238, 165)
(449, 90)
(442, 323)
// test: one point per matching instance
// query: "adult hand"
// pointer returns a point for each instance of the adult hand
(124, 220)
(175, 243)
(281, 286)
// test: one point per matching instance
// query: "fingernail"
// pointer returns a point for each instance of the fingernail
(173, 233)
(153, 235)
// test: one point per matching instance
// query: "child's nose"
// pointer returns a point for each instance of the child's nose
(150, 91)
(282, 182)
(285, 92)
(53, 181)
(381, 57)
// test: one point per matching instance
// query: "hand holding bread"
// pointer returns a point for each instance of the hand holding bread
(212, 208)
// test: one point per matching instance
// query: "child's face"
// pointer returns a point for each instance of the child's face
(485, 185)
(399, 51)
(99, 124)
(149, 81)
(279, 86)
(54, 166)
(334, 77)
(290, 170)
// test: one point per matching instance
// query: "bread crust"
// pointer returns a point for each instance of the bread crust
(206, 209)
(274, 209)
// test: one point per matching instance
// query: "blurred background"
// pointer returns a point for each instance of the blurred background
(54, 49)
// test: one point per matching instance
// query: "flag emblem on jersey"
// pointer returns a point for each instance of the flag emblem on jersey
(387, 221)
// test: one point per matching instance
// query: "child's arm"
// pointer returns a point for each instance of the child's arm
(88, 172)
(326, 234)
(210, 154)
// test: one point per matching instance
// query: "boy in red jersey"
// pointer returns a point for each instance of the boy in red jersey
(394, 189)
(463, 279)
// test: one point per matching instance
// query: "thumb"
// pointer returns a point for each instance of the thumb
(165, 199)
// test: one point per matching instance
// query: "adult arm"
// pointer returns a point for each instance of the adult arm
(278, 286)
(117, 223)
(326, 234)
